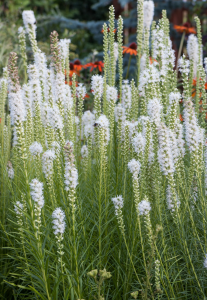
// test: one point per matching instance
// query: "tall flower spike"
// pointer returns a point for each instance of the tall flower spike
(47, 163)
(36, 192)
(55, 51)
(148, 9)
(59, 225)
(111, 95)
(16, 105)
(22, 42)
(103, 125)
(120, 53)
(106, 63)
(59, 221)
(144, 207)
(127, 98)
(118, 205)
(10, 170)
(81, 92)
(112, 65)
(154, 110)
(41, 65)
(192, 49)
(97, 90)
(164, 154)
(30, 26)
(140, 25)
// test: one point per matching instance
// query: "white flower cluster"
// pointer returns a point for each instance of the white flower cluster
(10, 170)
(26, 96)
(84, 151)
(205, 63)
(154, 109)
(192, 47)
(184, 65)
(138, 143)
(170, 203)
(118, 204)
(97, 85)
(111, 94)
(71, 176)
(134, 167)
(16, 106)
(55, 117)
(28, 18)
(21, 30)
(88, 120)
(126, 96)
(148, 13)
(119, 113)
(144, 207)
(64, 46)
(71, 173)
(36, 149)
(205, 262)
(35, 88)
(103, 123)
(164, 153)
(81, 90)
(58, 216)
(149, 76)
(158, 36)
(191, 126)
(18, 208)
(116, 52)
(47, 162)
(37, 193)
(41, 65)
(174, 97)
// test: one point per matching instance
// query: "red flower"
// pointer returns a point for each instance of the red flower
(185, 28)
(131, 49)
(96, 64)
(77, 65)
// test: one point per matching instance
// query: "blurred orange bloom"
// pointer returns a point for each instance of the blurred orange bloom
(131, 49)
(70, 83)
(185, 28)
(152, 60)
(115, 30)
(77, 65)
(194, 90)
(181, 118)
(96, 64)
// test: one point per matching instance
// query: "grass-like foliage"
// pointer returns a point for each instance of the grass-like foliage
(109, 204)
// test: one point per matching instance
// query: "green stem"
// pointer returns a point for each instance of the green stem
(180, 49)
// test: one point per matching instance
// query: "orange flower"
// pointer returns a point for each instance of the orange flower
(72, 70)
(185, 28)
(132, 49)
(115, 30)
(87, 96)
(77, 65)
(181, 118)
(70, 83)
(152, 60)
(96, 64)
(194, 90)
